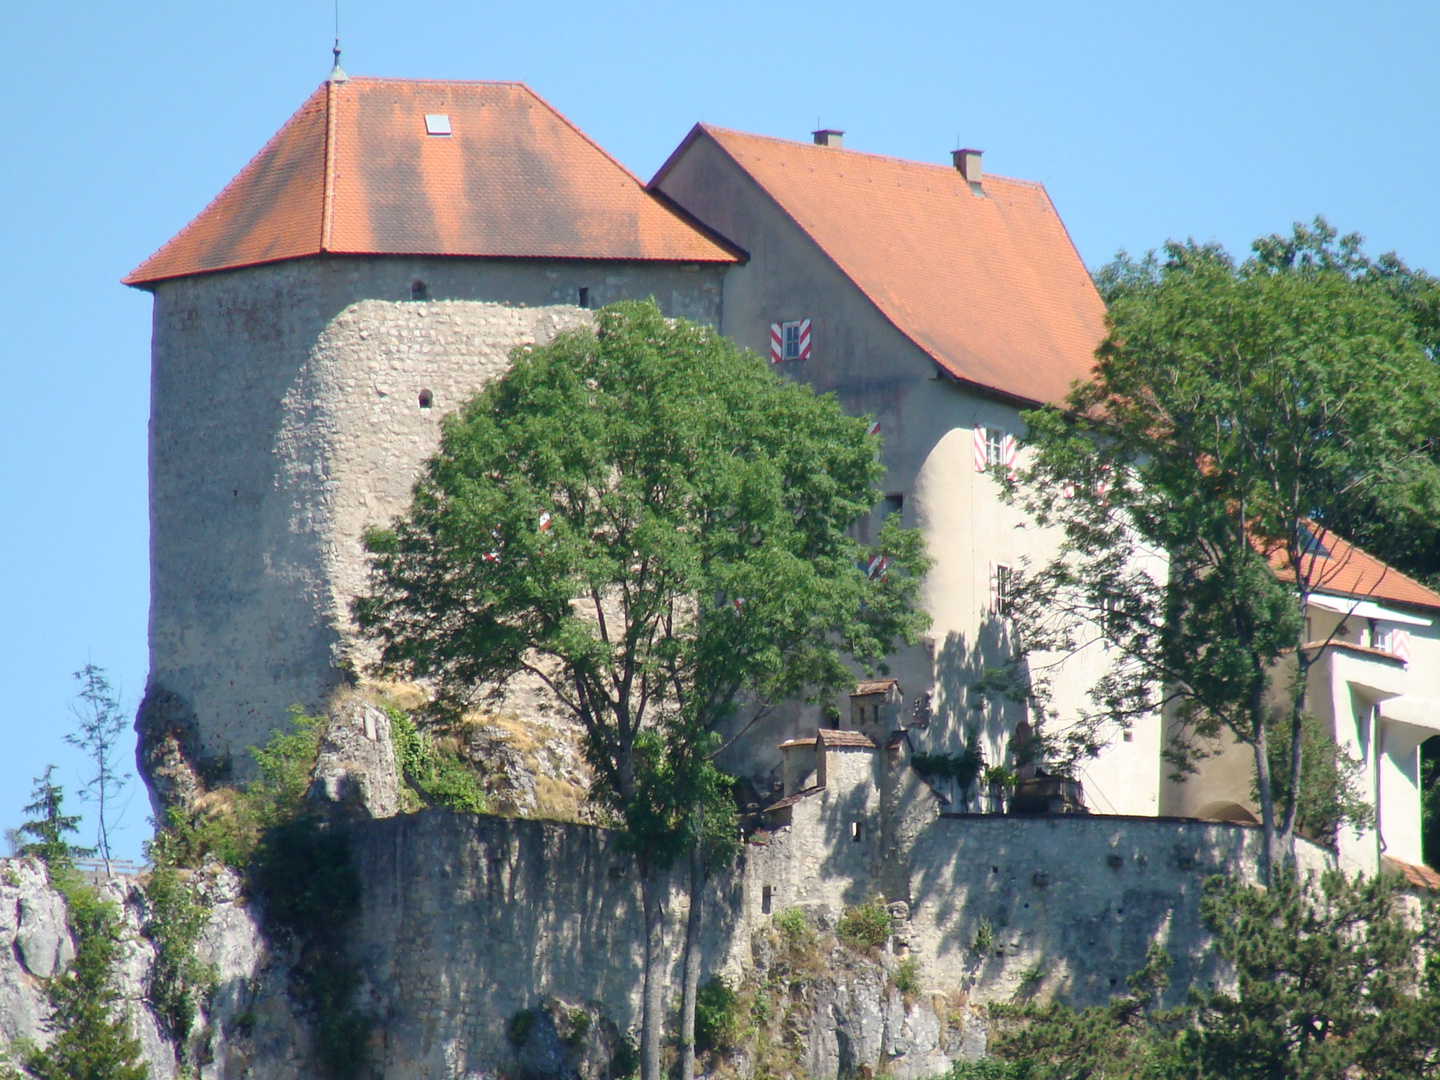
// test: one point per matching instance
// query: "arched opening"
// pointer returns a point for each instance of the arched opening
(427, 399)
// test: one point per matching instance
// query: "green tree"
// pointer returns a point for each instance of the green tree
(91, 1037)
(650, 522)
(43, 834)
(100, 725)
(1233, 406)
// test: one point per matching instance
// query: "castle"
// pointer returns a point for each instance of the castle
(375, 263)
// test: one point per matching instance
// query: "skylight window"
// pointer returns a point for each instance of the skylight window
(437, 123)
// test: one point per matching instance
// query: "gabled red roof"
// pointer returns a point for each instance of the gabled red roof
(991, 288)
(1339, 567)
(355, 172)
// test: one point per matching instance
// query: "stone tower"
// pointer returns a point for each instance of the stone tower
(366, 272)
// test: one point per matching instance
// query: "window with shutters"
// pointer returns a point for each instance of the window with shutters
(792, 340)
(994, 446)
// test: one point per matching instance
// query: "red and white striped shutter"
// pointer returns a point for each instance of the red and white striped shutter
(1010, 455)
(874, 429)
(979, 449)
(804, 339)
(1400, 644)
(777, 343)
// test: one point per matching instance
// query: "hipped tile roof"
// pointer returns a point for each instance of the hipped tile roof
(990, 287)
(1420, 877)
(354, 172)
(873, 686)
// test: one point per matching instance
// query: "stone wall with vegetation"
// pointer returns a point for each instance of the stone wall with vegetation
(489, 946)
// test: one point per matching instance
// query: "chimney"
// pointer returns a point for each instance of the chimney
(967, 164)
(829, 137)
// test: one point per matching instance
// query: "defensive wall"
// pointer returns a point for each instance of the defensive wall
(468, 920)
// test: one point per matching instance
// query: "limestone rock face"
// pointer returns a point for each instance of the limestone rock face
(355, 771)
(41, 939)
(168, 749)
(566, 1042)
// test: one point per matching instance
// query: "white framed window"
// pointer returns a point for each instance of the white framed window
(1002, 588)
(995, 448)
(790, 340)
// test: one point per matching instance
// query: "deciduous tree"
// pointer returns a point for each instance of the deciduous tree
(1233, 406)
(650, 522)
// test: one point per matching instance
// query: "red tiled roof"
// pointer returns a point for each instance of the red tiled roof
(991, 288)
(835, 737)
(873, 686)
(1348, 571)
(354, 172)
(1421, 877)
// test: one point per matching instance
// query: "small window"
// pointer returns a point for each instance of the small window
(418, 291)
(1129, 736)
(765, 898)
(584, 297)
(1112, 616)
(994, 446)
(893, 504)
(790, 341)
(855, 831)
(427, 399)
(437, 124)
(1002, 589)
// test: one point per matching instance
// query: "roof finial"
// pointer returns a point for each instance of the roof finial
(337, 73)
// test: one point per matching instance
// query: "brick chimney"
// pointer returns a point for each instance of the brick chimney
(967, 164)
(829, 137)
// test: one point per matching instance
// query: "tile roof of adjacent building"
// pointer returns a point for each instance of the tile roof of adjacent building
(991, 288)
(355, 172)
(836, 737)
(874, 686)
(1341, 568)
(1421, 877)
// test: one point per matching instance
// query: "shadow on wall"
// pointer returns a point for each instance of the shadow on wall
(847, 858)
(960, 666)
(1067, 905)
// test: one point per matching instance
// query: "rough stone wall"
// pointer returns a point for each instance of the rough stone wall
(286, 416)
(467, 920)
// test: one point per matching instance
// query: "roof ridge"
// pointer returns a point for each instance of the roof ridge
(892, 158)
(581, 132)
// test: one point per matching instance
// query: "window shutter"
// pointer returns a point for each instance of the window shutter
(979, 449)
(1010, 455)
(994, 589)
(804, 339)
(777, 345)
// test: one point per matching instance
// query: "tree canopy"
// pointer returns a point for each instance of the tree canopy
(652, 523)
(1236, 408)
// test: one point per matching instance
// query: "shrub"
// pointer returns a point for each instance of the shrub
(907, 977)
(719, 1020)
(984, 937)
(793, 924)
(866, 926)
(518, 1030)
(430, 773)
(180, 982)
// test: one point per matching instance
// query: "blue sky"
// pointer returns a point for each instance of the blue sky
(1145, 121)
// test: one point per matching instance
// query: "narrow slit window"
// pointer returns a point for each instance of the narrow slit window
(765, 898)
(1002, 589)
(584, 297)
(856, 831)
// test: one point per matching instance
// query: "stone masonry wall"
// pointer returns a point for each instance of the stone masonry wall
(469, 919)
(286, 416)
